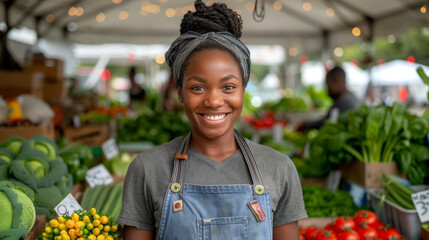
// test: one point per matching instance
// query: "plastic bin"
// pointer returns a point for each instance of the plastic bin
(406, 221)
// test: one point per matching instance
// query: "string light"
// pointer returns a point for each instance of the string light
(330, 12)
(72, 11)
(170, 12)
(356, 31)
(423, 9)
(143, 12)
(50, 18)
(79, 11)
(338, 52)
(306, 6)
(391, 38)
(123, 15)
(116, 1)
(100, 17)
(277, 6)
(293, 51)
(250, 6)
(160, 59)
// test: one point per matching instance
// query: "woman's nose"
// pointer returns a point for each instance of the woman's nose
(213, 99)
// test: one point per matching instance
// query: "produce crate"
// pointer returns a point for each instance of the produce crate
(55, 91)
(53, 69)
(368, 175)
(27, 132)
(15, 83)
(91, 135)
(38, 227)
(406, 221)
(78, 189)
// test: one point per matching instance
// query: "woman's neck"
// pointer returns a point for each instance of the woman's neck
(217, 149)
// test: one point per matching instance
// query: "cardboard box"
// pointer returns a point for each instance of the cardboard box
(27, 132)
(38, 227)
(91, 135)
(53, 69)
(55, 91)
(368, 175)
(15, 83)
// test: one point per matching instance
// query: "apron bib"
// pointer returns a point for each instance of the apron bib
(216, 212)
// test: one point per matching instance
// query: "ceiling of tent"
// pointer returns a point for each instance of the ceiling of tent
(289, 26)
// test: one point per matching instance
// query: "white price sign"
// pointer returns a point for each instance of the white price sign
(67, 206)
(98, 175)
(110, 149)
(421, 202)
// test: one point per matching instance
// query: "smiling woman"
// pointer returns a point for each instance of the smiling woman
(212, 184)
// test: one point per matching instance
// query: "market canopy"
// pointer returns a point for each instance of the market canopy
(298, 23)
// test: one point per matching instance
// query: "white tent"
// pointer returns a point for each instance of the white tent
(398, 73)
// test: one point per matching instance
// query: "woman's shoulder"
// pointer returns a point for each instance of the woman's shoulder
(266, 152)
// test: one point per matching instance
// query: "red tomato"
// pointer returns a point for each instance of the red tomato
(365, 217)
(367, 233)
(389, 234)
(330, 227)
(344, 223)
(326, 235)
(301, 237)
(311, 232)
(348, 235)
(302, 230)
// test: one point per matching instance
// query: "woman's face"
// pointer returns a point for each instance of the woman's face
(212, 93)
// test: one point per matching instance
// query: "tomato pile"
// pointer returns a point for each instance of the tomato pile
(363, 226)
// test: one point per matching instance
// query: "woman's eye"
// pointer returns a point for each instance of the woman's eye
(229, 87)
(198, 88)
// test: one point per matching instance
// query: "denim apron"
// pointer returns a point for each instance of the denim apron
(235, 212)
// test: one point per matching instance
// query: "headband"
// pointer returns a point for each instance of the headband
(187, 42)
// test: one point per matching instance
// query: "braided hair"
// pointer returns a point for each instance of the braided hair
(215, 18)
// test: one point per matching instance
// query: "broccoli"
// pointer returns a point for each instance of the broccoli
(13, 144)
(49, 203)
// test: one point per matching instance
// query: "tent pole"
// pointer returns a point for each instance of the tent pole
(369, 38)
(325, 56)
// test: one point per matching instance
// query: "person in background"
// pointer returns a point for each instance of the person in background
(136, 92)
(343, 98)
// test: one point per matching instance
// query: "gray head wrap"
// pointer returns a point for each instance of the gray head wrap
(187, 42)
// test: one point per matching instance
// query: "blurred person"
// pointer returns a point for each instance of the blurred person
(342, 97)
(136, 92)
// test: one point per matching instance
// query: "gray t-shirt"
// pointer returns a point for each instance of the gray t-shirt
(149, 174)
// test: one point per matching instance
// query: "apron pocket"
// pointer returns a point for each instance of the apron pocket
(222, 228)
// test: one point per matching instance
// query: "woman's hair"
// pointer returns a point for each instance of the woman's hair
(205, 19)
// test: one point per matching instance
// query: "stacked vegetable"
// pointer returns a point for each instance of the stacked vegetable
(376, 134)
(81, 225)
(34, 165)
(397, 193)
(17, 213)
(153, 126)
(78, 158)
(364, 225)
(323, 203)
(107, 198)
(118, 165)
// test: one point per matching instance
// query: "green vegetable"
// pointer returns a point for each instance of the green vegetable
(13, 144)
(322, 203)
(17, 213)
(84, 153)
(65, 184)
(30, 192)
(43, 144)
(48, 198)
(398, 193)
(119, 164)
(6, 156)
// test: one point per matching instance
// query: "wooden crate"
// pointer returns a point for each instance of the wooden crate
(27, 132)
(368, 175)
(38, 227)
(90, 135)
(52, 68)
(15, 83)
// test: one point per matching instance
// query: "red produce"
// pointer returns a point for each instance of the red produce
(366, 217)
(326, 235)
(367, 233)
(344, 223)
(348, 235)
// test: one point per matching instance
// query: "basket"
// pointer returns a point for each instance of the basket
(406, 221)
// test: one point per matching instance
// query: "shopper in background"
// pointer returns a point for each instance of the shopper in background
(343, 98)
(136, 92)
(213, 184)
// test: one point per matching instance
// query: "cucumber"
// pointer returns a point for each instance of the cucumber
(98, 205)
(117, 209)
(94, 195)
(112, 198)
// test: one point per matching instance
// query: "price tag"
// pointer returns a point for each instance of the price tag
(278, 132)
(67, 206)
(110, 149)
(98, 175)
(333, 181)
(421, 202)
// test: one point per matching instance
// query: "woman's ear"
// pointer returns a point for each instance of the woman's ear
(179, 93)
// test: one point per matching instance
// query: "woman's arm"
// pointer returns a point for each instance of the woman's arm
(286, 231)
(133, 233)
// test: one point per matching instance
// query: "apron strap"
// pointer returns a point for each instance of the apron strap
(181, 156)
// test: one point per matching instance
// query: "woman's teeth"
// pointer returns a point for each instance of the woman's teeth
(216, 117)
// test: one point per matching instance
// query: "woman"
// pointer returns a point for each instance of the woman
(213, 184)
